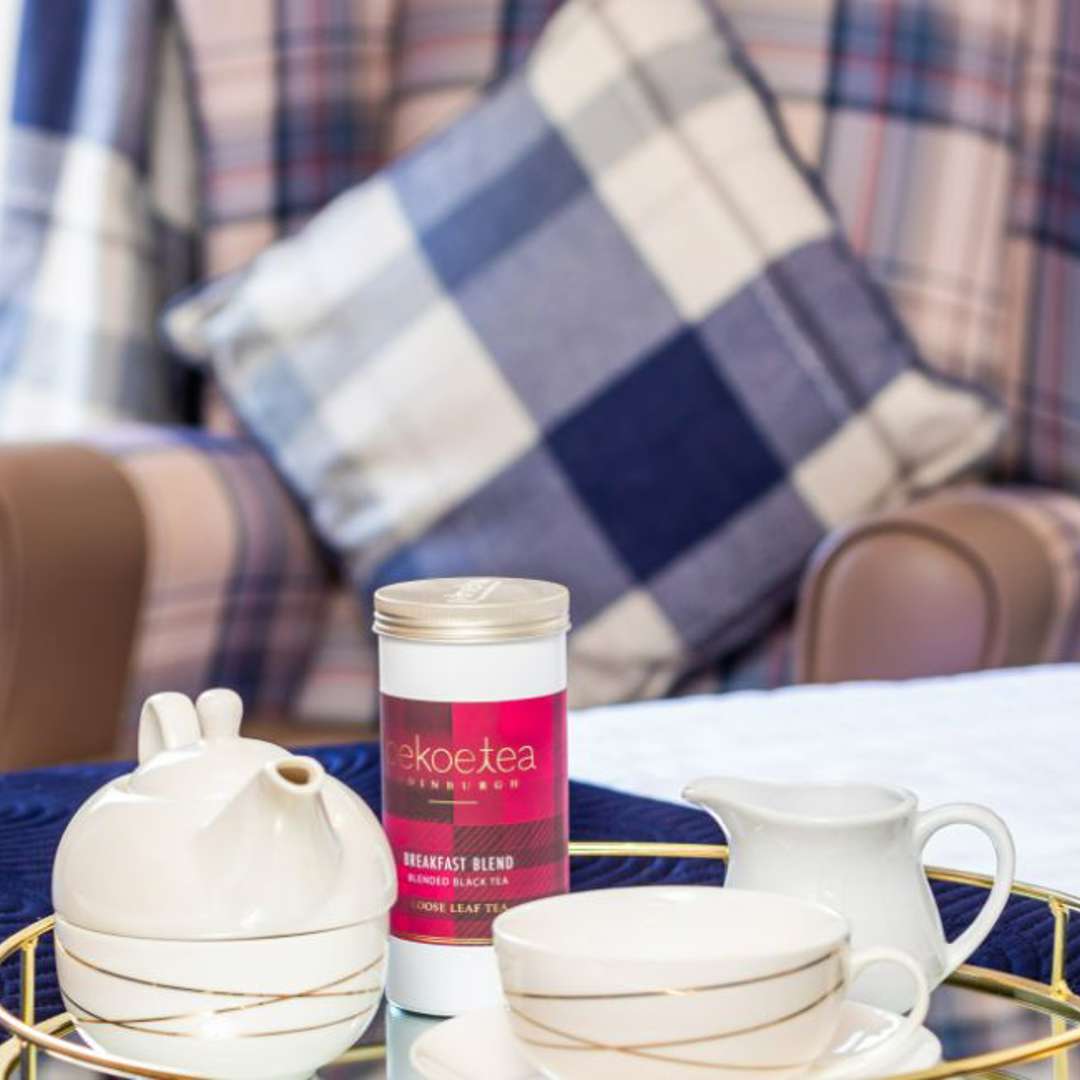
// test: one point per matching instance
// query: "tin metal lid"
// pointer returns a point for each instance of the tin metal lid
(466, 611)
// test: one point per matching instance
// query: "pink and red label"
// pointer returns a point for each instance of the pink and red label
(475, 803)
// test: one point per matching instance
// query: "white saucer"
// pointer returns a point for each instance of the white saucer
(480, 1045)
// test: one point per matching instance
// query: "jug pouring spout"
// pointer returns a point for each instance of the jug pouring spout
(735, 803)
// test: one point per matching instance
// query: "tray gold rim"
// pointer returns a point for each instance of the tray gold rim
(29, 1036)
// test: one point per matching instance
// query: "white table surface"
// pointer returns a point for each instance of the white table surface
(1007, 739)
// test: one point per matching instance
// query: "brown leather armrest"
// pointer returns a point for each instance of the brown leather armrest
(955, 583)
(72, 559)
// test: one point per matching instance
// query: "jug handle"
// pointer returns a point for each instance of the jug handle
(987, 822)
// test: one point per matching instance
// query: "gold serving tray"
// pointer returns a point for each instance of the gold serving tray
(1054, 999)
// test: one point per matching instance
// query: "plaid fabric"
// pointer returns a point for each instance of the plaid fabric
(236, 589)
(938, 114)
(96, 188)
(445, 54)
(297, 100)
(289, 118)
(1053, 517)
(342, 679)
(976, 106)
(766, 663)
(520, 809)
(471, 378)
(870, 91)
(292, 99)
(1041, 376)
(450, 52)
(416, 65)
(906, 108)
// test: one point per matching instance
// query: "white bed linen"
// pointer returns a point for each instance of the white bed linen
(1008, 739)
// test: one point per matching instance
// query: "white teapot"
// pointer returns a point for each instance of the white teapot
(223, 909)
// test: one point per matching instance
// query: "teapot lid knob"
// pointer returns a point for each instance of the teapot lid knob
(168, 721)
(220, 712)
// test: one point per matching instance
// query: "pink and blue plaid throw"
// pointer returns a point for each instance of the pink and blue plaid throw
(237, 590)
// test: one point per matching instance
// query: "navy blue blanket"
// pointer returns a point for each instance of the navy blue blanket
(35, 807)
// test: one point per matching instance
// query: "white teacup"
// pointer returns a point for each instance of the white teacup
(646, 983)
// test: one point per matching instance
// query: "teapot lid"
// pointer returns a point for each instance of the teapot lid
(216, 836)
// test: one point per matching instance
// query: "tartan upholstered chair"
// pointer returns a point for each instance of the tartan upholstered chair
(146, 556)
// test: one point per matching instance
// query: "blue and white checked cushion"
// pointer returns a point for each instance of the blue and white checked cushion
(604, 331)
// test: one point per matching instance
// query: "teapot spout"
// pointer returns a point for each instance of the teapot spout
(275, 837)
